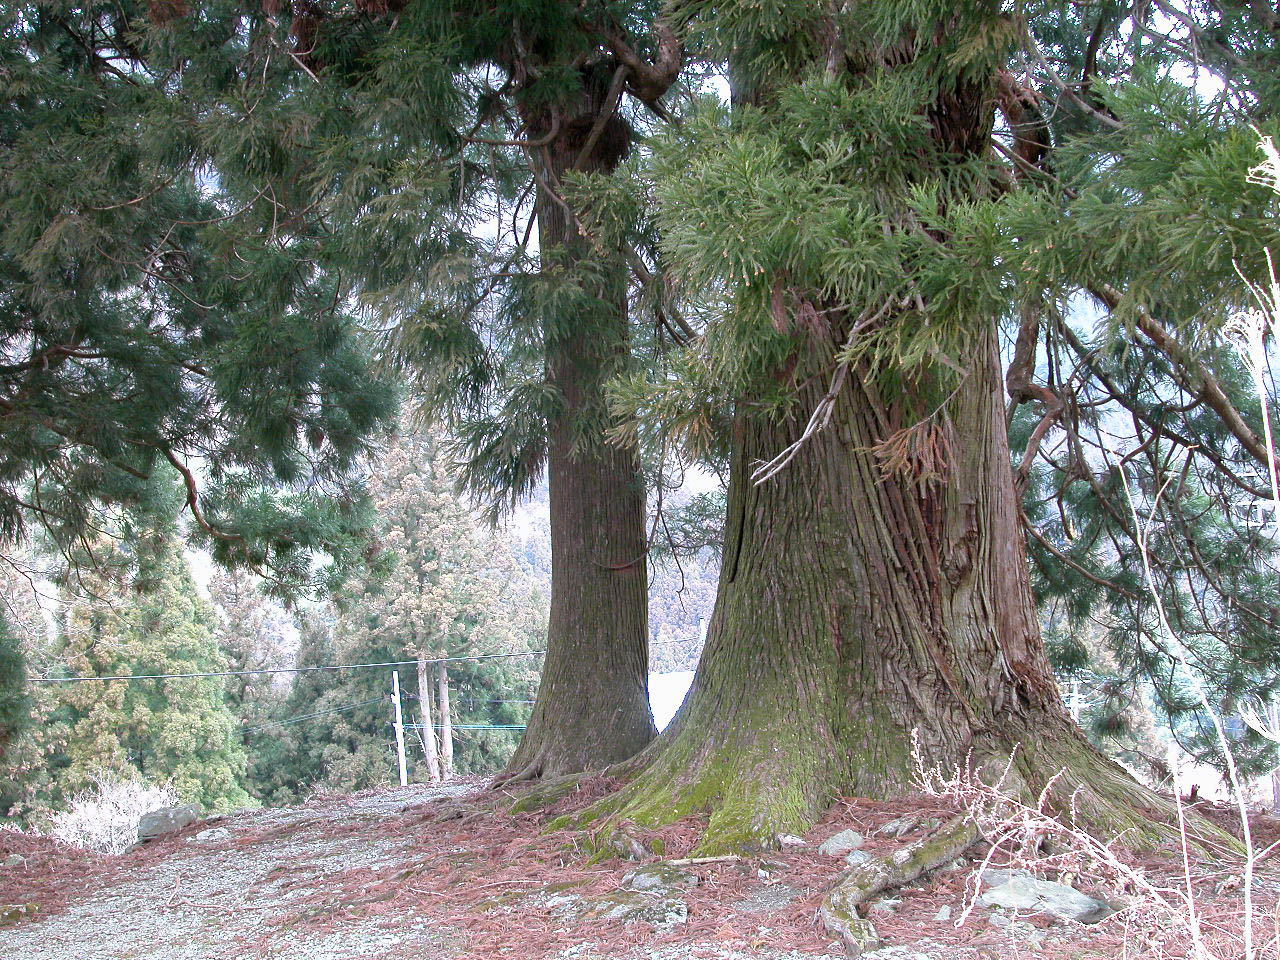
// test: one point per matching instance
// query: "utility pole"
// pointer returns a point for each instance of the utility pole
(399, 725)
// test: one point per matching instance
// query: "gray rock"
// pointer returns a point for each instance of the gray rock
(944, 912)
(841, 843)
(661, 878)
(213, 835)
(15, 860)
(885, 905)
(1027, 893)
(632, 907)
(998, 876)
(858, 858)
(166, 820)
(788, 840)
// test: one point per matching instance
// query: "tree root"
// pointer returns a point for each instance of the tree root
(839, 910)
(525, 774)
(539, 795)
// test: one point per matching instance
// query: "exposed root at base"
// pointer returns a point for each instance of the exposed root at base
(539, 795)
(526, 774)
(839, 910)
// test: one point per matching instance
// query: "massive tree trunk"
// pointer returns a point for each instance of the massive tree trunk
(858, 609)
(593, 703)
(874, 608)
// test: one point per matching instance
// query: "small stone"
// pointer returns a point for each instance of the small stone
(662, 878)
(858, 858)
(1059, 900)
(885, 905)
(789, 840)
(13, 912)
(166, 820)
(841, 843)
(15, 860)
(213, 835)
(944, 913)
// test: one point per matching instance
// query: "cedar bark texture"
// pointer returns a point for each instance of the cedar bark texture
(857, 610)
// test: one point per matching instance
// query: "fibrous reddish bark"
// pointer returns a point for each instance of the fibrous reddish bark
(593, 702)
(857, 611)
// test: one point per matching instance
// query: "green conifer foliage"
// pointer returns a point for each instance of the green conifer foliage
(453, 590)
(13, 692)
(154, 318)
(177, 731)
(450, 588)
(396, 156)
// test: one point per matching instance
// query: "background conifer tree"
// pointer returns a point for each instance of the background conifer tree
(155, 321)
(177, 731)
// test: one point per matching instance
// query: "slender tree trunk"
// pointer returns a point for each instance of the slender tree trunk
(862, 614)
(592, 707)
(428, 731)
(446, 725)
(1273, 718)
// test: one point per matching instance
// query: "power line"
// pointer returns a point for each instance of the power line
(277, 670)
(280, 670)
(309, 716)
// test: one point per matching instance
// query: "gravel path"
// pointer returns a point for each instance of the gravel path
(216, 901)
(443, 872)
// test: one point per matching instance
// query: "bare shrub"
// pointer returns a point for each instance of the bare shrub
(1175, 915)
(105, 817)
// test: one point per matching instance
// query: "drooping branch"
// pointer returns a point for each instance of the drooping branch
(1190, 372)
(193, 499)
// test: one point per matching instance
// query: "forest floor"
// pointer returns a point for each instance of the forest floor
(448, 872)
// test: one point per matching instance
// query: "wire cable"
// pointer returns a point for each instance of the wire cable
(309, 716)
(279, 670)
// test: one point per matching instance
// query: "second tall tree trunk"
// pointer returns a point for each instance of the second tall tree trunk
(593, 703)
